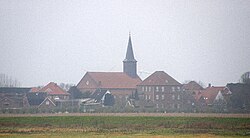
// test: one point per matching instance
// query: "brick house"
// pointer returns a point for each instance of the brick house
(47, 96)
(192, 91)
(162, 90)
(213, 98)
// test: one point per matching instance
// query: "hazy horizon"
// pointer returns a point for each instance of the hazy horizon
(58, 41)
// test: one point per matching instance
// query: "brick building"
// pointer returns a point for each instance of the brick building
(162, 90)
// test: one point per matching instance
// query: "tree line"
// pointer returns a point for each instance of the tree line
(8, 81)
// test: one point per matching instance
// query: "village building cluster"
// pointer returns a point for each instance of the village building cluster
(127, 92)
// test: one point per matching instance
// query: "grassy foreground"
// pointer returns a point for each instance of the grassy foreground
(123, 126)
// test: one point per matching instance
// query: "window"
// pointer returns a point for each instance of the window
(47, 103)
(142, 88)
(162, 89)
(178, 88)
(173, 105)
(157, 88)
(146, 88)
(6, 103)
(178, 97)
(178, 106)
(149, 97)
(162, 97)
(173, 88)
(157, 97)
(149, 88)
(173, 97)
(157, 106)
(146, 97)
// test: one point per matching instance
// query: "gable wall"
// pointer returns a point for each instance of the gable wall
(87, 84)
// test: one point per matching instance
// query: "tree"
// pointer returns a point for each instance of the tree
(136, 96)
(245, 78)
(109, 100)
(7, 81)
(77, 94)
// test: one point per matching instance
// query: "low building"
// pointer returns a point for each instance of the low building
(13, 97)
(47, 96)
(213, 99)
(192, 91)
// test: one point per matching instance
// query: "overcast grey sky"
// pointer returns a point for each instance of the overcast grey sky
(49, 40)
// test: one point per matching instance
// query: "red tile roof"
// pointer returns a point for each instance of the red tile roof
(192, 85)
(159, 78)
(53, 89)
(113, 80)
(210, 93)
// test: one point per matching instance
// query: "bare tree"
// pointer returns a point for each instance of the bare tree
(7, 81)
(245, 78)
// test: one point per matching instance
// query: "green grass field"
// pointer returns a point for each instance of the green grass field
(123, 126)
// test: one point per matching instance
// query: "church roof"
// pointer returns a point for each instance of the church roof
(113, 80)
(130, 53)
(159, 78)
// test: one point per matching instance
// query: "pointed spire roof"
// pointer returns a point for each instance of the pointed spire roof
(130, 53)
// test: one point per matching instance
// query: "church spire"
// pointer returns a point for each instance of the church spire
(129, 63)
(130, 53)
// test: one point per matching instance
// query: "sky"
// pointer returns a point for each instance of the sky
(46, 41)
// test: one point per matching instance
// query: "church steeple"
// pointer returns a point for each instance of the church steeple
(129, 63)
(130, 53)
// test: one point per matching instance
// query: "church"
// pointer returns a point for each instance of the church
(120, 84)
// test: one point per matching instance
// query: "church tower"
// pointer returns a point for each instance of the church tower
(129, 63)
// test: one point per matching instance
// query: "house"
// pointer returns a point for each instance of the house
(192, 92)
(213, 99)
(211, 95)
(47, 96)
(13, 97)
(36, 98)
(192, 85)
(55, 92)
(162, 91)
(120, 84)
